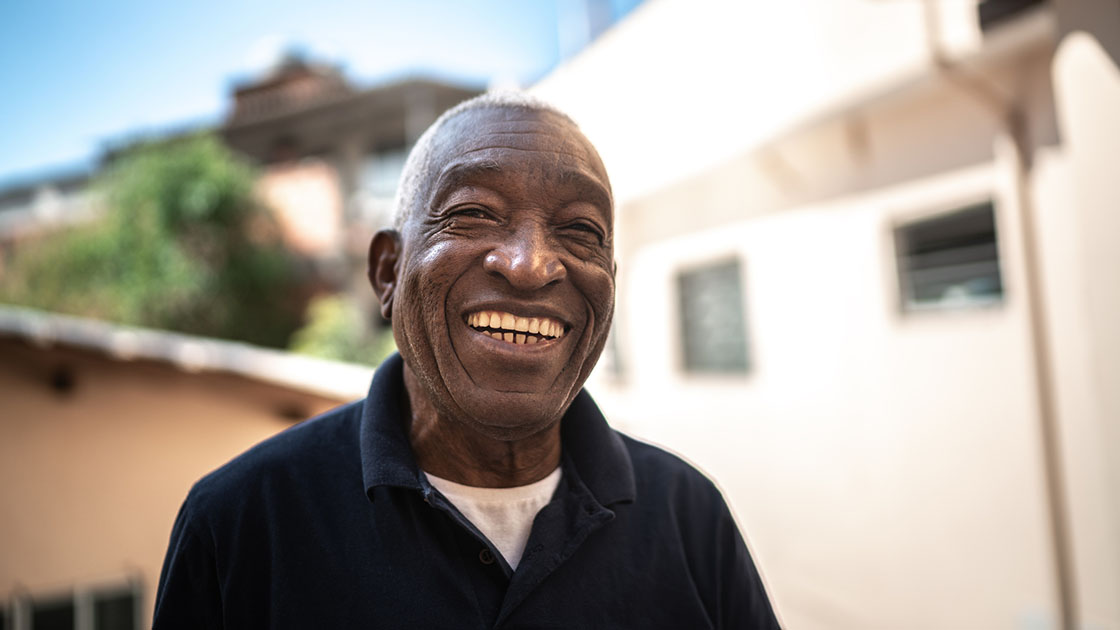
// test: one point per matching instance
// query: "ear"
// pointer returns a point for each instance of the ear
(384, 253)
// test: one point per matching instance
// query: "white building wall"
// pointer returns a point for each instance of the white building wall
(887, 468)
(1082, 225)
(881, 465)
(739, 73)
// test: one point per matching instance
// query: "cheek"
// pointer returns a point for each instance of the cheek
(428, 274)
(415, 314)
(597, 286)
(425, 290)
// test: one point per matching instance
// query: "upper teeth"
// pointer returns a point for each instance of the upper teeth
(510, 327)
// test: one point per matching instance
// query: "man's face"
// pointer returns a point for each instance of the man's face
(505, 281)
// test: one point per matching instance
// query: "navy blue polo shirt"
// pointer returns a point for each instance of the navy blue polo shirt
(330, 524)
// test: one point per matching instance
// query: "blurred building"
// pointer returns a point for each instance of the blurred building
(33, 206)
(330, 154)
(103, 429)
(867, 280)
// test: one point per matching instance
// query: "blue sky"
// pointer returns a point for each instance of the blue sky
(78, 74)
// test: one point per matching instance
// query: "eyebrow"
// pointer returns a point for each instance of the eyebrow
(601, 195)
(464, 173)
(459, 174)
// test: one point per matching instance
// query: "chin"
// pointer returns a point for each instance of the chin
(511, 416)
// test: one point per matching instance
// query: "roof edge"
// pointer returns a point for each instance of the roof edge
(321, 377)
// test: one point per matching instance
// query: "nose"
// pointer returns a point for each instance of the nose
(526, 259)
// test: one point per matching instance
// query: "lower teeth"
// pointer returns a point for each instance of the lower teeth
(517, 338)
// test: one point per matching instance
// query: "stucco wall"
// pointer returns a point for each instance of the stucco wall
(882, 465)
(93, 476)
(886, 467)
(1083, 226)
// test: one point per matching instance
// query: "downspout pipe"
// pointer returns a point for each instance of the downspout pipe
(1013, 117)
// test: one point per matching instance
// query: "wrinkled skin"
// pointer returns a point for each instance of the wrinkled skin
(517, 218)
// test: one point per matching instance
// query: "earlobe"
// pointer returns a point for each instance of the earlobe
(384, 252)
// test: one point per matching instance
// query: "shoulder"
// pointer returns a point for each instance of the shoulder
(237, 519)
(678, 504)
(657, 468)
(670, 490)
(677, 496)
(298, 456)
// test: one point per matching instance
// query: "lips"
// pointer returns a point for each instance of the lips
(516, 329)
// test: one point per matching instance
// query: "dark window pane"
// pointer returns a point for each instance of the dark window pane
(53, 615)
(713, 328)
(114, 611)
(611, 360)
(994, 12)
(951, 260)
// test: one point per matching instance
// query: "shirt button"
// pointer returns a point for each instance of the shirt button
(485, 557)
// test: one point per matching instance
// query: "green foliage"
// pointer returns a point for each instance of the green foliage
(182, 246)
(336, 329)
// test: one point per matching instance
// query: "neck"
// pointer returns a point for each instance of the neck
(449, 448)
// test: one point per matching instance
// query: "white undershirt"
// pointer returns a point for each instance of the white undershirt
(503, 515)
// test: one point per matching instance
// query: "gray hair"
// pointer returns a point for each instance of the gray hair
(414, 177)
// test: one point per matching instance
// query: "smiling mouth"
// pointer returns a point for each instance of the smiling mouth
(516, 330)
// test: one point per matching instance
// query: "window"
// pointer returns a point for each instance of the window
(115, 610)
(382, 170)
(611, 359)
(379, 176)
(106, 608)
(950, 261)
(713, 327)
(994, 12)
(52, 614)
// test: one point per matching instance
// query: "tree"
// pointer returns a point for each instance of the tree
(182, 246)
(337, 329)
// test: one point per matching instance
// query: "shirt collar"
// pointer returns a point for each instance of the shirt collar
(598, 453)
(387, 458)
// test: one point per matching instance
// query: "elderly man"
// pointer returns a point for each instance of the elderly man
(477, 486)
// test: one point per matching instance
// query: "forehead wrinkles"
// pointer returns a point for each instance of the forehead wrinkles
(536, 140)
(466, 138)
(552, 177)
(513, 129)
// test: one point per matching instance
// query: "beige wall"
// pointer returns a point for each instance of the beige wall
(93, 478)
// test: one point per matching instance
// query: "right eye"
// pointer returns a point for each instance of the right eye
(469, 212)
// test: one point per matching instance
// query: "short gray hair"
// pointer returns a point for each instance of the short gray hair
(414, 177)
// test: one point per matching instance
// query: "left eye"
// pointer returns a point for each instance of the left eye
(587, 228)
